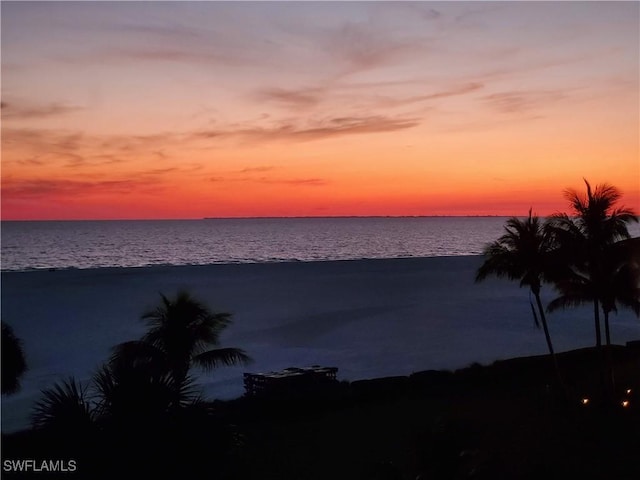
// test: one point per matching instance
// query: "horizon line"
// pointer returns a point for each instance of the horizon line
(270, 217)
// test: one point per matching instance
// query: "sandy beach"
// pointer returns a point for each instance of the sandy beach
(369, 318)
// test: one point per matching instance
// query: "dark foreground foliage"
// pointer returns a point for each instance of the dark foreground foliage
(498, 421)
(14, 363)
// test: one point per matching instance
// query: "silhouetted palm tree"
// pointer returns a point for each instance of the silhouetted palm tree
(181, 332)
(622, 275)
(522, 253)
(14, 364)
(617, 283)
(137, 393)
(64, 407)
(594, 264)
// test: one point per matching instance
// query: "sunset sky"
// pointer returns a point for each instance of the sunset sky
(114, 110)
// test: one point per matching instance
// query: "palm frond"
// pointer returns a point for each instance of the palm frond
(576, 201)
(519, 254)
(65, 406)
(499, 261)
(632, 303)
(189, 394)
(14, 364)
(212, 325)
(137, 353)
(136, 394)
(568, 301)
(221, 356)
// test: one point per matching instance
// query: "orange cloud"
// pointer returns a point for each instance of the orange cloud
(12, 112)
(294, 182)
(523, 101)
(316, 130)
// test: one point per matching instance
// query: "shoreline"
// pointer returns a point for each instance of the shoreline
(313, 217)
(240, 262)
(370, 318)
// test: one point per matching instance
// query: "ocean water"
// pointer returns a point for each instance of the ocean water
(369, 318)
(90, 244)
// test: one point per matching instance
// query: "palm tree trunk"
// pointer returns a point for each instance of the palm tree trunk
(596, 314)
(602, 354)
(547, 336)
(545, 327)
(611, 381)
(606, 328)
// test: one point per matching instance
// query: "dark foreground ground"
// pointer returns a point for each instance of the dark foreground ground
(509, 420)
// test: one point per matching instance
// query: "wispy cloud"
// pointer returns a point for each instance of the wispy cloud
(257, 169)
(293, 182)
(298, 182)
(11, 111)
(161, 171)
(146, 181)
(167, 41)
(316, 129)
(451, 92)
(364, 48)
(160, 54)
(76, 148)
(371, 96)
(45, 188)
(523, 101)
(296, 98)
(474, 13)
(43, 140)
(172, 31)
(385, 101)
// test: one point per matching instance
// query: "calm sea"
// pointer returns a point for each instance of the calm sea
(135, 243)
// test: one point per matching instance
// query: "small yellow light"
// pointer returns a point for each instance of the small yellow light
(625, 403)
(628, 391)
(585, 401)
